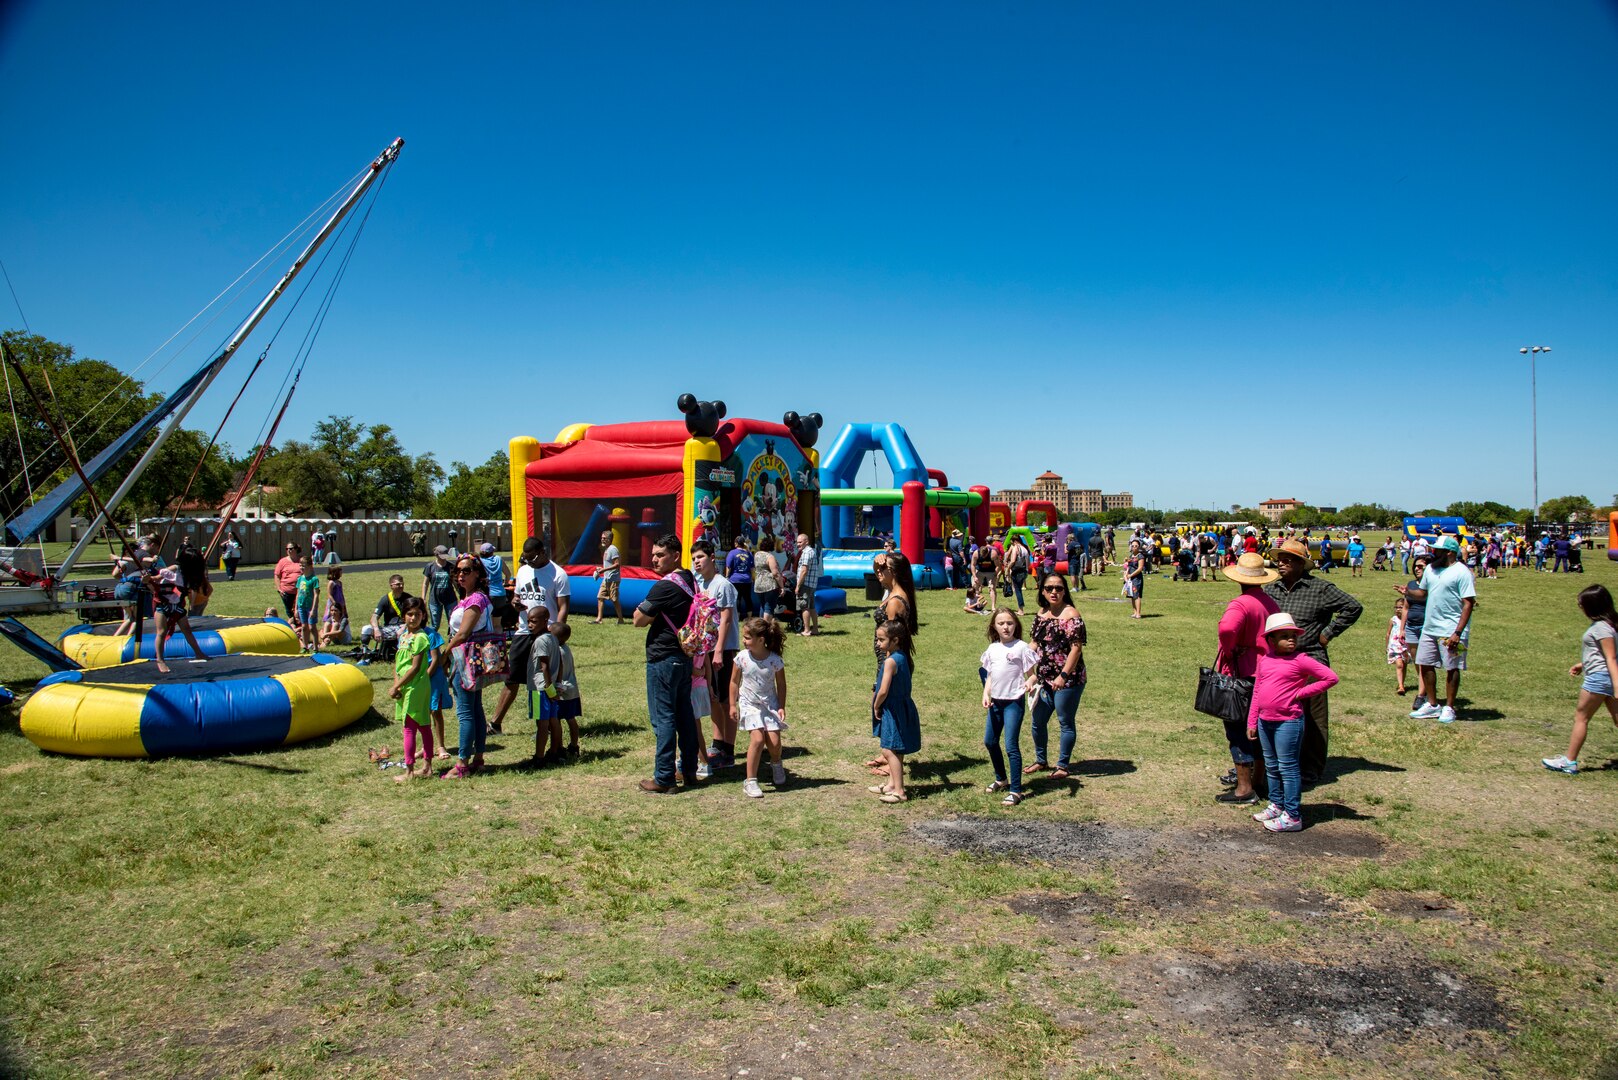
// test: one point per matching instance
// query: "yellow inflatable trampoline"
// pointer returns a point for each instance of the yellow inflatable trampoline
(230, 703)
(94, 646)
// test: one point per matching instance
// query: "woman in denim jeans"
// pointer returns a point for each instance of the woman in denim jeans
(470, 616)
(1059, 639)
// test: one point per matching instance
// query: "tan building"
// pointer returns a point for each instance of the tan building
(1050, 487)
(1274, 508)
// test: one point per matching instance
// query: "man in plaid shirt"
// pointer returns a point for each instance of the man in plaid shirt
(808, 581)
(1322, 611)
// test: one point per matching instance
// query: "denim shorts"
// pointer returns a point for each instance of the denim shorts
(1599, 682)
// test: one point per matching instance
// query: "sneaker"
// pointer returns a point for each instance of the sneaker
(778, 775)
(702, 769)
(1284, 822)
(1269, 813)
(1421, 700)
(1446, 715)
(1560, 763)
(751, 789)
(1428, 711)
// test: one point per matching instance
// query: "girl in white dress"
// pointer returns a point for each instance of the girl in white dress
(758, 696)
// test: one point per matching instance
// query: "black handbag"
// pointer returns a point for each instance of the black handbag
(1229, 697)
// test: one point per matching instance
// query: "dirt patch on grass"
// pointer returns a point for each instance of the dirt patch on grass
(1343, 1006)
(1052, 841)
(1298, 903)
(19, 766)
(1418, 906)
(1333, 840)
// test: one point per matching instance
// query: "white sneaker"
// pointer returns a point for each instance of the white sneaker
(702, 769)
(1560, 763)
(1269, 813)
(1446, 715)
(1428, 711)
(1284, 822)
(751, 789)
(778, 775)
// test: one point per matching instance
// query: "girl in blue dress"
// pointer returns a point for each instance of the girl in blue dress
(893, 713)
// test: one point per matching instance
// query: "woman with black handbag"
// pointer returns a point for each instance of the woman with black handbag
(1241, 639)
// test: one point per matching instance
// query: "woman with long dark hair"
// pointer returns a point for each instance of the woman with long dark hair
(472, 615)
(1059, 638)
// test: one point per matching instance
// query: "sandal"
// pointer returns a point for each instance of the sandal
(1038, 766)
(458, 772)
(1012, 799)
(996, 787)
(876, 763)
(890, 797)
(1059, 773)
(878, 789)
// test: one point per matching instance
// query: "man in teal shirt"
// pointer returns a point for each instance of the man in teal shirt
(1450, 595)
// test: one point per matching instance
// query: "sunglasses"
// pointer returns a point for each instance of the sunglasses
(465, 570)
(1050, 588)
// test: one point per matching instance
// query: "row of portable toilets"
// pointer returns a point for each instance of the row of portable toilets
(264, 541)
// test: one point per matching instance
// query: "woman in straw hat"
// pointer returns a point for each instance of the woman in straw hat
(1241, 641)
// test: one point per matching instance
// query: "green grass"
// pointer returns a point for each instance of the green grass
(297, 913)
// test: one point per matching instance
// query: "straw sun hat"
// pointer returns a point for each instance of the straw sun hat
(1250, 570)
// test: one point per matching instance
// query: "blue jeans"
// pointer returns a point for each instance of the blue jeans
(1065, 704)
(1017, 579)
(668, 703)
(1281, 740)
(766, 602)
(1005, 716)
(469, 711)
(435, 613)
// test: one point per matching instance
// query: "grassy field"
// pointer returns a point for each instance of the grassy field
(1449, 912)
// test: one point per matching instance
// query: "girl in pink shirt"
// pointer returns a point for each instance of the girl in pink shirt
(1284, 678)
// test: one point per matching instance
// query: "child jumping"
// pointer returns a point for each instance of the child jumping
(1284, 678)
(758, 698)
(1008, 665)
(894, 719)
(1596, 666)
(412, 688)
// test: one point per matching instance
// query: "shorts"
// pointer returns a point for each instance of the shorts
(1412, 637)
(522, 647)
(569, 708)
(306, 616)
(170, 607)
(439, 698)
(1599, 682)
(609, 588)
(1358, 560)
(806, 599)
(986, 579)
(755, 719)
(721, 677)
(546, 708)
(1433, 653)
(126, 591)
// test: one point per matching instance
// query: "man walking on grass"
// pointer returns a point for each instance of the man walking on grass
(1449, 594)
(1322, 612)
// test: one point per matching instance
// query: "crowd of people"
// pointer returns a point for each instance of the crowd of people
(715, 644)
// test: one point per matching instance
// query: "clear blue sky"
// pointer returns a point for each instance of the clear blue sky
(1241, 251)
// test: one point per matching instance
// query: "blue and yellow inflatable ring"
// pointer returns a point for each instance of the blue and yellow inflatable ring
(94, 646)
(231, 703)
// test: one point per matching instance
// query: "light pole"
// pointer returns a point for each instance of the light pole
(1532, 352)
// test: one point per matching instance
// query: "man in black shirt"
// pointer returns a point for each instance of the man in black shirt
(668, 668)
(438, 586)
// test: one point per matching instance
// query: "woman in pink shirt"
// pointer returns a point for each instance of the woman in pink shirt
(287, 572)
(1285, 678)
(1241, 642)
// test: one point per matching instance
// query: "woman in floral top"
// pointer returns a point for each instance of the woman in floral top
(1059, 639)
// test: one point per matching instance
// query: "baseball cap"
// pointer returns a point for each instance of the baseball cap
(440, 550)
(1446, 543)
(486, 549)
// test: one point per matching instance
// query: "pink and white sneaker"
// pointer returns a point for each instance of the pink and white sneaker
(1284, 822)
(1269, 813)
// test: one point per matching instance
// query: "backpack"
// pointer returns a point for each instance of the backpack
(701, 629)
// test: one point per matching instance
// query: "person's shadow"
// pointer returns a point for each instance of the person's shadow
(939, 771)
(1342, 766)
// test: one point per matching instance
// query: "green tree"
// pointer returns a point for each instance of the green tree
(1302, 516)
(1567, 508)
(308, 479)
(481, 492)
(160, 488)
(1481, 513)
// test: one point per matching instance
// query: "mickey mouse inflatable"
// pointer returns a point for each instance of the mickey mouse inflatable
(806, 429)
(701, 417)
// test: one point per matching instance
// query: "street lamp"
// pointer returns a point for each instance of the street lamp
(1532, 352)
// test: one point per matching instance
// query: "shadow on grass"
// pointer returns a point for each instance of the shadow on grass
(1102, 767)
(613, 727)
(1319, 813)
(1337, 766)
(253, 765)
(941, 770)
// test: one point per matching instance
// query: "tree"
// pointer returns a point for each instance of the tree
(1306, 517)
(1567, 508)
(1481, 513)
(348, 467)
(473, 493)
(308, 479)
(160, 488)
(1373, 514)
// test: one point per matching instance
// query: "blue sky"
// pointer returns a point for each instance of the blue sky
(1206, 253)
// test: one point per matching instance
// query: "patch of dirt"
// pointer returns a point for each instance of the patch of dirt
(1298, 903)
(1322, 840)
(1052, 841)
(18, 766)
(1347, 1005)
(1417, 906)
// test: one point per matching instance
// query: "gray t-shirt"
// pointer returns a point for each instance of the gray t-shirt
(546, 647)
(724, 594)
(1595, 661)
